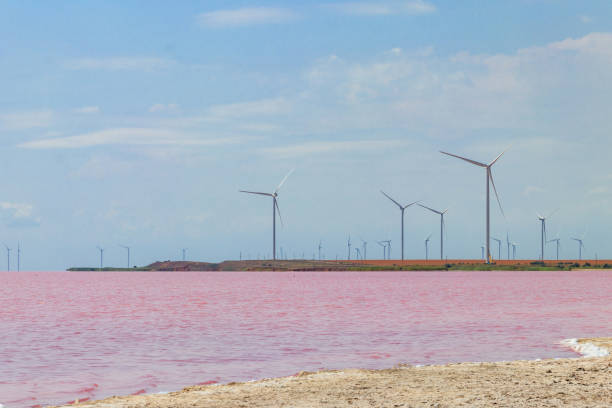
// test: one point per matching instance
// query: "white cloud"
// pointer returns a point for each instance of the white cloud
(246, 16)
(18, 214)
(119, 64)
(25, 120)
(88, 110)
(160, 107)
(128, 136)
(330, 147)
(263, 107)
(413, 7)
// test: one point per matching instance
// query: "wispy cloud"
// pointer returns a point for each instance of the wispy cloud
(119, 63)
(87, 110)
(245, 17)
(413, 7)
(160, 107)
(330, 147)
(25, 120)
(129, 136)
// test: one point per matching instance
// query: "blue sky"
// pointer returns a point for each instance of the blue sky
(126, 123)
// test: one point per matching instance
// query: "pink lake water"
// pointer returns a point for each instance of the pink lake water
(91, 335)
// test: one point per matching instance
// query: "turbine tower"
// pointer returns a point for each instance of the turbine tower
(441, 214)
(275, 209)
(427, 247)
(184, 251)
(8, 258)
(580, 246)
(498, 247)
(128, 254)
(489, 178)
(357, 253)
(388, 243)
(508, 243)
(320, 247)
(101, 257)
(482, 249)
(402, 208)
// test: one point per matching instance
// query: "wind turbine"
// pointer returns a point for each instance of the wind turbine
(388, 242)
(101, 256)
(365, 248)
(349, 247)
(498, 247)
(482, 249)
(543, 233)
(357, 253)
(441, 214)
(384, 246)
(320, 247)
(508, 243)
(402, 208)
(557, 240)
(489, 178)
(128, 254)
(184, 250)
(514, 245)
(580, 246)
(8, 258)
(275, 209)
(427, 247)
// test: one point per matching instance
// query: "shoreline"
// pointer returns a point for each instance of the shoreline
(576, 382)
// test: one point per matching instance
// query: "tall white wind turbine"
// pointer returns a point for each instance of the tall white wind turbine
(489, 178)
(441, 214)
(402, 208)
(275, 209)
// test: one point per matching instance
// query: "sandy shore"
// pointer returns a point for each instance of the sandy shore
(580, 382)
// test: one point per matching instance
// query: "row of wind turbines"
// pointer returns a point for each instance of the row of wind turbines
(489, 182)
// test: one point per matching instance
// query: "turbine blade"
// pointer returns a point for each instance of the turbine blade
(466, 159)
(416, 202)
(255, 192)
(552, 213)
(496, 195)
(279, 213)
(283, 181)
(430, 209)
(497, 158)
(396, 203)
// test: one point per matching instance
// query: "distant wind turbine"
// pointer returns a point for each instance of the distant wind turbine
(514, 245)
(184, 251)
(357, 253)
(498, 247)
(365, 248)
(8, 257)
(402, 208)
(275, 209)
(384, 247)
(508, 243)
(482, 248)
(543, 232)
(320, 247)
(580, 246)
(128, 254)
(101, 257)
(441, 214)
(489, 178)
(427, 247)
(349, 247)
(557, 241)
(388, 242)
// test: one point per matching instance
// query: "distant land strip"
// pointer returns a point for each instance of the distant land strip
(363, 265)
